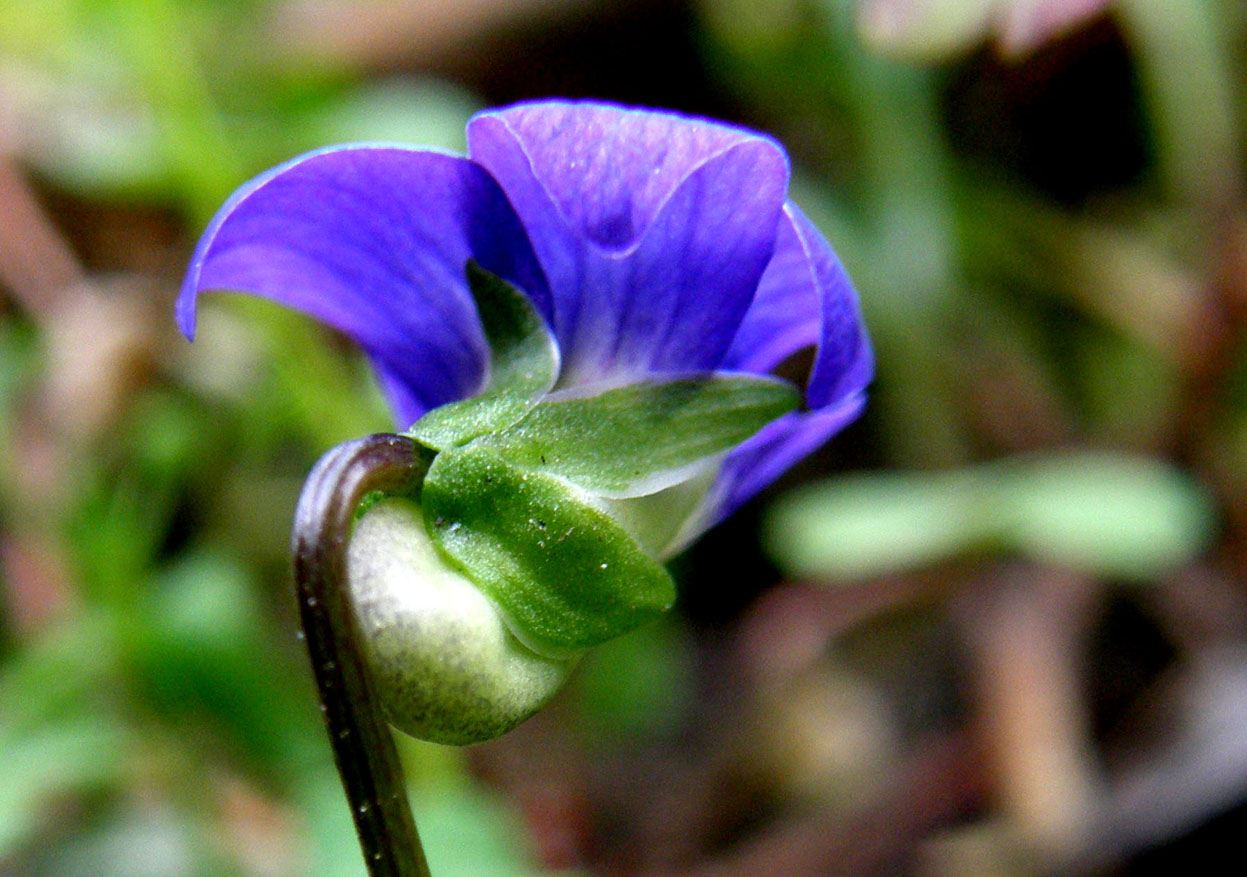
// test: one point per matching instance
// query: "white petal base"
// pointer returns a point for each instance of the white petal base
(444, 663)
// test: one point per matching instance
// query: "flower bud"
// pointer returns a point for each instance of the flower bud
(443, 661)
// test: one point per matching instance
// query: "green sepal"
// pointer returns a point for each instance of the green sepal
(642, 437)
(564, 573)
(523, 366)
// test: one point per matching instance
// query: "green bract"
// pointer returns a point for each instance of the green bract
(637, 439)
(566, 575)
(523, 365)
(523, 494)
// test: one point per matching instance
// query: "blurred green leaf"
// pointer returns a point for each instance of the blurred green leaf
(1104, 514)
(864, 525)
(116, 530)
(305, 387)
(330, 845)
(927, 31)
(69, 755)
(202, 651)
(637, 685)
(425, 112)
(1184, 61)
(17, 366)
(1133, 396)
(1127, 517)
(85, 131)
(59, 674)
(466, 830)
(156, 840)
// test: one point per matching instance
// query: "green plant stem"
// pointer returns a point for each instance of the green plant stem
(361, 738)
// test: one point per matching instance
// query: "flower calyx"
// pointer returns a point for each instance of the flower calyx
(553, 507)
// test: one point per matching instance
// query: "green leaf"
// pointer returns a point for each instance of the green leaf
(1130, 517)
(862, 525)
(500, 845)
(523, 366)
(70, 754)
(638, 439)
(564, 572)
(637, 685)
(1103, 514)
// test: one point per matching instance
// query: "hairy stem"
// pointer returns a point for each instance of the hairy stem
(361, 738)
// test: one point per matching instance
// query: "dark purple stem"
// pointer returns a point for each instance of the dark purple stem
(361, 738)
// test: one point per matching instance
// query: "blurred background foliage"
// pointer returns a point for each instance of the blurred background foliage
(997, 627)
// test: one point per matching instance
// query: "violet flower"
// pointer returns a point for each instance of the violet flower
(654, 248)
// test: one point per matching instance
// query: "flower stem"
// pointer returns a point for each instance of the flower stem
(361, 738)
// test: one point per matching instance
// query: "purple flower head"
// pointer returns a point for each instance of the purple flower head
(652, 244)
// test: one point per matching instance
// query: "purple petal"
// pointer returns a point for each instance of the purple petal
(786, 310)
(805, 298)
(775, 449)
(374, 241)
(607, 170)
(652, 228)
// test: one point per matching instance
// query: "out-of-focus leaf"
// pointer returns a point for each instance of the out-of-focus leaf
(307, 388)
(864, 525)
(1132, 395)
(1104, 514)
(1184, 61)
(54, 677)
(331, 848)
(466, 830)
(201, 650)
(1118, 273)
(141, 841)
(84, 131)
(117, 528)
(397, 110)
(637, 684)
(1129, 517)
(17, 365)
(79, 753)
